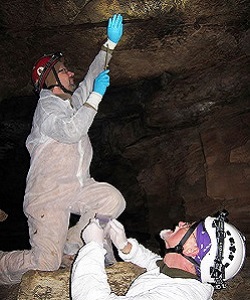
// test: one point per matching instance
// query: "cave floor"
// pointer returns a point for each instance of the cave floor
(238, 288)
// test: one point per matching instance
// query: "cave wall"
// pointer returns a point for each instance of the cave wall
(178, 168)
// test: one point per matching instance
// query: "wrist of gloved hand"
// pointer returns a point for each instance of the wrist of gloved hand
(93, 233)
(109, 44)
(94, 99)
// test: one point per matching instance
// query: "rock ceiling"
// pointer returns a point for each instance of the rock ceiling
(174, 36)
(172, 133)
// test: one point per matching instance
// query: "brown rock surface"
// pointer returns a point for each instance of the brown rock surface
(55, 285)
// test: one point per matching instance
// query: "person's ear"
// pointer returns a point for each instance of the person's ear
(192, 250)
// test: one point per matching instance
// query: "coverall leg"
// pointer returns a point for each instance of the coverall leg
(47, 239)
(94, 197)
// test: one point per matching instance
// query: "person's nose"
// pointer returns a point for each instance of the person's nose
(182, 224)
(71, 74)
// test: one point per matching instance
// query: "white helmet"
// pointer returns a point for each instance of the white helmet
(222, 250)
(227, 253)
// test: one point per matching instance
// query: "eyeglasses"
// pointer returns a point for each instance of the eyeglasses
(63, 70)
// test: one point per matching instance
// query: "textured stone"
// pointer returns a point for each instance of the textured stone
(55, 285)
(159, 36)
(3, 215)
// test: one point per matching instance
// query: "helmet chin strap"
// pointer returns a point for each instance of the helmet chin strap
(66, 91)
(179, 248)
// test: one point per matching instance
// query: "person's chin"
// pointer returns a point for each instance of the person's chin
(72, 87)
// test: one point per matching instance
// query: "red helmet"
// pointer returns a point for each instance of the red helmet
(42, 68)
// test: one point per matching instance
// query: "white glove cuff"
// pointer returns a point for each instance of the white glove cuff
(94, 99)
(109, 44)
(135, 245)
(122, 245)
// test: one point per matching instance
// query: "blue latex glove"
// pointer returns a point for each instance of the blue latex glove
(115, 28)
(101, 82)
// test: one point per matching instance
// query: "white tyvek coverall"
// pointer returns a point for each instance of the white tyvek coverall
(89, 279)
(58, 182)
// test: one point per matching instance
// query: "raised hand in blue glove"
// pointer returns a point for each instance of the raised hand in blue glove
(101, 82)
(115, 28)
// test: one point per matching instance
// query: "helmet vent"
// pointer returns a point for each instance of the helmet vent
(231, 240)
(232, 249)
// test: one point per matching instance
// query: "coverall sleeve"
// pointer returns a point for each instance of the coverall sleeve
(61, 125)
(89, 282)
(140, 256)
(86, 86)
(88, 276)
